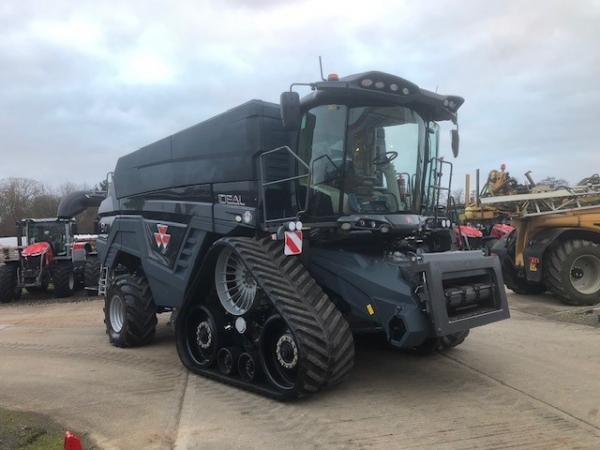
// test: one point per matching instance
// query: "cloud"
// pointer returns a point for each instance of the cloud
(81, 86)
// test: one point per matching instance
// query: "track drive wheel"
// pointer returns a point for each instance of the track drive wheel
(91, 275)
(8, 284)
(572, 272)
(129, 311)
(63, 280)
(279, 354)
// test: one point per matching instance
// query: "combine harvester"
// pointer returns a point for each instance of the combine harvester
(277, 231)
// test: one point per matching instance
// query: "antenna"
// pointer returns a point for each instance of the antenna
(321, 67)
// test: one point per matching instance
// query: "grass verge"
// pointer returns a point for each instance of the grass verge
(32, 431)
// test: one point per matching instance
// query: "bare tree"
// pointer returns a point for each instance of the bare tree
(553, 182)
(459, 196)
(16, 198)
(24, 198)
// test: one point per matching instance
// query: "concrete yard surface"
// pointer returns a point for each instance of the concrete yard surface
(527, 382)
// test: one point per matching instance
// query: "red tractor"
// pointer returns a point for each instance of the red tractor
(53, 253)
(50, 255)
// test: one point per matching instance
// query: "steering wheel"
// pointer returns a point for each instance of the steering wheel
(382, 160)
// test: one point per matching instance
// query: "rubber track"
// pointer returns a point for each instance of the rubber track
(326, 346)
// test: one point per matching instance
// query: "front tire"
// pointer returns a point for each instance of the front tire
(572, 272)
(442, 344)
(129, 312)
(8, 284)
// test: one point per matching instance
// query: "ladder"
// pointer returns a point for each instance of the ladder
(102, 282)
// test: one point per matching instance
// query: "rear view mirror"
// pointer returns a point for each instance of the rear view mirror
(455, 142)
(290, 111)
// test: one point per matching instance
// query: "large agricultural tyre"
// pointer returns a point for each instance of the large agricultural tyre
(91, 275)
(129, 311)
(63, 280)
(8, 284)
(572, 272)
(441, 344)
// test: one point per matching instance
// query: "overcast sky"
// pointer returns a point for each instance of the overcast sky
(84, 82)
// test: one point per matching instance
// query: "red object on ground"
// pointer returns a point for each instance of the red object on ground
(72, 442)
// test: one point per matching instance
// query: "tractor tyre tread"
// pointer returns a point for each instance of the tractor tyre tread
(8, 283)
(139, 327)
(556, 271)
(62, 276)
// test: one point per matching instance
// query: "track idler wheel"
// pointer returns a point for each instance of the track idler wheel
(249, 366)
(227, 360)
(280, 355)
(205, 335)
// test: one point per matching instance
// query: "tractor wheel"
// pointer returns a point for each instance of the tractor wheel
(129, 311)
(63, 279)
(8, 284)
(572, 272)
(441, 344)
(91, 274)
(452, 340)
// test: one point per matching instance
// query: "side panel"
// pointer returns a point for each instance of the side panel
(221, 149)
(169, 252)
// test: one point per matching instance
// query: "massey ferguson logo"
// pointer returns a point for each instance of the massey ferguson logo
(162, 238)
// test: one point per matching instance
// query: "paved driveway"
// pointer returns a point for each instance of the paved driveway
(528, 382)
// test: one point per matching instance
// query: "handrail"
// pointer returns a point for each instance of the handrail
(264, 183)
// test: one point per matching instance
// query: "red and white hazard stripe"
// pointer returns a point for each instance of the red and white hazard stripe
(293, 243)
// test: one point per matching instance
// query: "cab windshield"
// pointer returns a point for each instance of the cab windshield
(368, 159)
(52, 232)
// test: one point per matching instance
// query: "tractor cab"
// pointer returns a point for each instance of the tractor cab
(368, 151)
(55, 232)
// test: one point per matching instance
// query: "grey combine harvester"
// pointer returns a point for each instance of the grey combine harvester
(277, 232)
